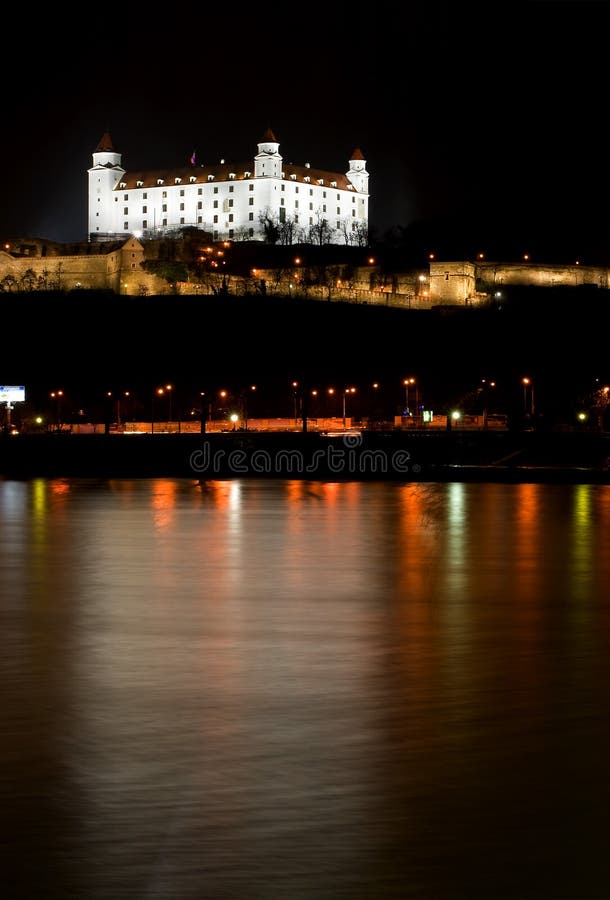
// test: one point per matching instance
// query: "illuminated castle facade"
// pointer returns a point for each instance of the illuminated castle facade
(231, 201)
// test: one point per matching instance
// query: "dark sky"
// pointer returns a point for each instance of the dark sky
(487, 120)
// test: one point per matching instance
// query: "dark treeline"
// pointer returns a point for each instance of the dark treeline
(92, 341)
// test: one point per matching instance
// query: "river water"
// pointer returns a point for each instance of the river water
(292, 690)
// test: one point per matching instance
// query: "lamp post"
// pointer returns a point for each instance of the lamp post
(528, 383)
(244, 404)
(57, 396)
(349, 390)
(295, 385)
(407, 383)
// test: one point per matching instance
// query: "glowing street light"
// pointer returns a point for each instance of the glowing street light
(57, 396)
(528, 383)
(349, 390)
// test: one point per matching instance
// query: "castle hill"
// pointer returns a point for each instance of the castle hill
(254, 298)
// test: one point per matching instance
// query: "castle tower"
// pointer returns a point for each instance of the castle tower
(268, 162)
(104, 175)
(357, 173)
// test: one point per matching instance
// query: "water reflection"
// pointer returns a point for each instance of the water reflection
(304, 690)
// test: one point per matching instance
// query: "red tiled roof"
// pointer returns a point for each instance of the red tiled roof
(269, 136)
(221, 173)
(357, 154)
(105, 144)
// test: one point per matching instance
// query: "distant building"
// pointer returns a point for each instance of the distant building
(230, 201)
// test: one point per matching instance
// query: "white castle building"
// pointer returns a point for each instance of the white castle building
(240, 201)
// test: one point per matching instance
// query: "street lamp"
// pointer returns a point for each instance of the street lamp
(295, 385)
(407, 383)
(244, 404)
(57, 396)
(527, 382)
(349, 390)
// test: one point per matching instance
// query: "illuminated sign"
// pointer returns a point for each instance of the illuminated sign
(428, 415)
(12, 393)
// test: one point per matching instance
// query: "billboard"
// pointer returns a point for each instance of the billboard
(11, 393)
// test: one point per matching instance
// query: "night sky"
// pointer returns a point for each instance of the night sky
(483, 124)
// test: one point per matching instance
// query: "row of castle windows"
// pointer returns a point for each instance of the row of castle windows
(231, 189)
(193, 179)
(230, 206)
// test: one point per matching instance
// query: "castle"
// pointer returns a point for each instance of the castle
(229, 201)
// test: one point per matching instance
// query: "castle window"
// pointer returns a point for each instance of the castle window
(164, 194)
(282, 200)
(182, 221)
(144, 196)
(324, 194)
(247, 174)
(231, 176)
(251, 232)
(353, 212)
(230, 217)
(320, 181)
(353, 199)
(126, 211)
(210, 178)
(231, 232)
(159, 181)
(338, 225)
(296, 220)
(231, 188)
(311, 205)
(446, 276)
(193, 178)
(296, 204)
(231, 202)
(116, 199)
(296, 190)
(199, 220)
(215, 204)
(250, 201)
(144, 209)
(182, 206)
(307, 179)
(182, 192)
(97, 214)
(311, 192)
(199, 204)
(200, 191)
(293, 177)
(177, 180)
(338, 196)
(164, 207)
(251, 217)
(215, 220)
(125, 196)
(283, 188)
(334, 184)
(324, 207)
(126, 226)
(139, 183)
(144, 223)
(164, 222)
(338, 210)
(215, 189)
(250, 187)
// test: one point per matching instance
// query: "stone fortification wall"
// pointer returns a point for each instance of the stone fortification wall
(491, 276)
